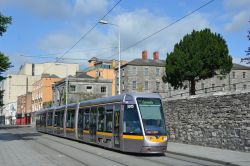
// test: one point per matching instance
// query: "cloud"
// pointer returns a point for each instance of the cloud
(88, 7)
(235, 4)
(58, 9)
(16, 61)
(238, 14)
(44, 8)
(94, 44)
(239, 21)
(139, 24)
(134, 26)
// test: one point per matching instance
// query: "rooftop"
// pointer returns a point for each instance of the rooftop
(240, 67)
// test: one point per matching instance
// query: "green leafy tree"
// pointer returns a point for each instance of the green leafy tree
(4, 61)
(247, 59)
(199, 55)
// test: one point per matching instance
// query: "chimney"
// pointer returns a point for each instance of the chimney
(144, 55)
(156, 55)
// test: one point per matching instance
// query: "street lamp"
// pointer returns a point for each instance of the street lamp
(119, 53)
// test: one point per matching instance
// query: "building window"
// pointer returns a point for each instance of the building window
(202, 86)
(234, 87)
(158, 72)
(72, 88)
(123, 86)
(117, 80)
(244, 86)
(134, 70)
(169, 90)
(244, 75)
(103, 89)
(145, 71)
(123, 72)
(89, 88)
(146, 85)
(157, 85)
(98, 73)
(233, 74)
(134, 85)
(223, 87)
(213, 86)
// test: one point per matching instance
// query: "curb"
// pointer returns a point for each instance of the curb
(14, 126)
(203, 158)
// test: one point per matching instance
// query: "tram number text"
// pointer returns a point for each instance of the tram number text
(130, 106)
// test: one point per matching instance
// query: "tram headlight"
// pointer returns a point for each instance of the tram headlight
(165, 138)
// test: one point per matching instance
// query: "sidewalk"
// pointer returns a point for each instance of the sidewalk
(226, 157)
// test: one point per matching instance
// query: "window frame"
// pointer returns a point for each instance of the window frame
(146, 71)
(103, 89)
(134, 85)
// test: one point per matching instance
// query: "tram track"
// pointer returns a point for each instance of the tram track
(80, 149)
(144, 158)
(45, 137)
(53, 149)
(176, 157)
(102, 156)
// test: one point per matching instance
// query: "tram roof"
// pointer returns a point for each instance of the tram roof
(119, 98)
(126, 97)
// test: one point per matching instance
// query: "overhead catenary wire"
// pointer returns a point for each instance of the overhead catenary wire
(79, 51)
(165, 27)
(83, 36)
(46, 56)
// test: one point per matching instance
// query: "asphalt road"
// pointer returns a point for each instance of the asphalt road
(25, 146)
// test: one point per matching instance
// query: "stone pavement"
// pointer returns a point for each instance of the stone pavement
(226, 157)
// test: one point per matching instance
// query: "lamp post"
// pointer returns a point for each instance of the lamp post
(119, 53)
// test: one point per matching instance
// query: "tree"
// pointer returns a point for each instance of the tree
(247, 59)
(199, 55)
(4, 61)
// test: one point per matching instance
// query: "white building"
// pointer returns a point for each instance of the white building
(59, 69)
(19, 84)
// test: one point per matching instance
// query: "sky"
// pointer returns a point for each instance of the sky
(45, 30)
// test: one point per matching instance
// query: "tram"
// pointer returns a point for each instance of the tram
(131, 122)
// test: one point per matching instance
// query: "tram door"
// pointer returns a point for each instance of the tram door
(117, 126)
(93, 116)
(80, 123)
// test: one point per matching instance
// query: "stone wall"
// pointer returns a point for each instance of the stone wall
(216, 121)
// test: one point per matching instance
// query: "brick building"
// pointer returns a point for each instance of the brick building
(23, 115)
(42, 92)
(105, 69)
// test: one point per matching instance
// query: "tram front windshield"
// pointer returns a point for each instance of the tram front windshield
(152, 116)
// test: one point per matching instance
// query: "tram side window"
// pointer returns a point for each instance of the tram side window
(80, 118)
(43, 119)
(59, 118)
(109, 113)
(38, 123)
(49, 120)
(70, 118)
(86, 119)
(131, 123)
(100, 119)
